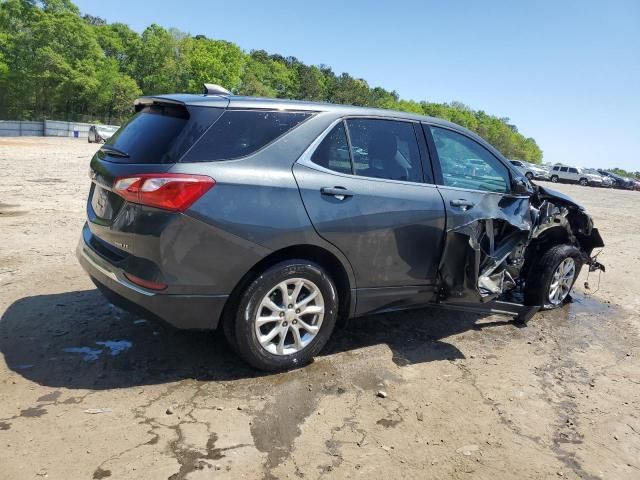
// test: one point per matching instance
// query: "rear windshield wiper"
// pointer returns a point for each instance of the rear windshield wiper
(114, 151)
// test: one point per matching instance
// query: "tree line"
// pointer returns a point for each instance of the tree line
(56, 63)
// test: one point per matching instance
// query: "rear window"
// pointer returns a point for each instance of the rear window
(239, 133)
(160, 133)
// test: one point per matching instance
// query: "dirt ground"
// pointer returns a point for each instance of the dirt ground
(89, 391)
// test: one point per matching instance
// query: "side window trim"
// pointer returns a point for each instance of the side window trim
(426, 127)
(433, 154)
(345, 124)
(425, 158)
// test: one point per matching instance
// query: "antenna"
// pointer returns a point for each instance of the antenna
(213, 89)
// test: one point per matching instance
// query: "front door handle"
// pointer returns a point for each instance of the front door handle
(339, 193)
(462, 203)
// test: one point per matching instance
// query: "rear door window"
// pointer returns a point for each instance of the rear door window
(239, 133)
(159, 133)
(385, 149)
(333, 151)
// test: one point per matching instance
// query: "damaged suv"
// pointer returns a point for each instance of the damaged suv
(272, 219)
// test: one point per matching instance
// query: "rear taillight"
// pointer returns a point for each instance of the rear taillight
(169, 191)
(145, 283)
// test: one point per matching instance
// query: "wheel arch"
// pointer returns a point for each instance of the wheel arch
(547, 239)
(340, 273)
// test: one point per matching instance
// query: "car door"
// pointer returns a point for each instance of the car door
(363, 186)
(573, 174)
(564, 174)
(485, 221)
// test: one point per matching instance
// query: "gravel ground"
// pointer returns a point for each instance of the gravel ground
(89, 391)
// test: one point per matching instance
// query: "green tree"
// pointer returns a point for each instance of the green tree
(158, 61)
(59, 64)
(212, 61)
(268, 77)
(312, 84)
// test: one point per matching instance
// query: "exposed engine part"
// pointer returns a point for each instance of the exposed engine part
(499, 249)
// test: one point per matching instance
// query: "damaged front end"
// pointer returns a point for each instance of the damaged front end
(491, 253)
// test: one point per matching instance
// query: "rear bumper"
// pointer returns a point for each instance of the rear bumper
(182, 311)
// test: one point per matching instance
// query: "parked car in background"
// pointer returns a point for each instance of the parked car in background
(101, 133)
(618, 180)
(606, 181)
(561, 173)
(273, 218)
(530, 170)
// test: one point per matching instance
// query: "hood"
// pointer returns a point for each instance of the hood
(554, 194)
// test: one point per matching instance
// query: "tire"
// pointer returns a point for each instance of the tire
(554, 178)
(584, 182)
(529, 175)
(278, 354)
(537, 289)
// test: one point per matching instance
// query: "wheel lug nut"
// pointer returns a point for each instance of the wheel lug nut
(290, 306)
(297, 310)
(282, 314)
(294, 322)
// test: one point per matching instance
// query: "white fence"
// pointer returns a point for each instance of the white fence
(44, 128)
(19, 129)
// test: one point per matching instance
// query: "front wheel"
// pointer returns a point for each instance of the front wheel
(552, 277)
(529, 175)
(554, 178)
(584, 182)
(285, 316)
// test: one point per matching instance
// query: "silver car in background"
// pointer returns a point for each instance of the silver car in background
(562, 173)
(101, 133)
(530, 170)
(606, 181)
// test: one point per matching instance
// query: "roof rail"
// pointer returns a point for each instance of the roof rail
(213, 89)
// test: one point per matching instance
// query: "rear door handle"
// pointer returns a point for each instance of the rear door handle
(462, 203)
(339, 193)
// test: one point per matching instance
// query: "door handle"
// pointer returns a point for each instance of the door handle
(339, 193)
(462, 203)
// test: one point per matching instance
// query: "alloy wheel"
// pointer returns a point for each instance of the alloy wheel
(562, 281)
(289, 316)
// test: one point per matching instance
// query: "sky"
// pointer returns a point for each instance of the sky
(567, 73)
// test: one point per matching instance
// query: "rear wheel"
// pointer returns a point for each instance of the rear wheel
(554, 178)
(285, 316)
(552, 277)
(529, 175)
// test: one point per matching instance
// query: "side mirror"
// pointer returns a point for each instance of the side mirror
(521, 186)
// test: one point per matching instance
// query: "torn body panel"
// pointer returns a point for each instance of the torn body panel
(488, 248)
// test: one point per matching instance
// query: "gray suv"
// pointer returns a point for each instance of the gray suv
(272, 219)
